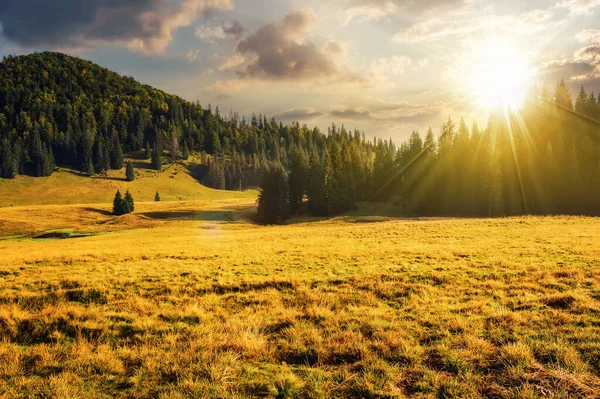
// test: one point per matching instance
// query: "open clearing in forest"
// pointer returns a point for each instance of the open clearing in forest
(190, 299)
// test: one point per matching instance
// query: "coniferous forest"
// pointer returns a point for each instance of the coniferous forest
(541, 159)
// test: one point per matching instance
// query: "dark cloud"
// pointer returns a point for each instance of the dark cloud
(351, 114)
(143, 25)
(298, 115)
(574, 73)
(280, 51)
(583, 68)
(233, 29)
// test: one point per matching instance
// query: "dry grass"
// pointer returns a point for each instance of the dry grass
(188, 300)
(174, 183)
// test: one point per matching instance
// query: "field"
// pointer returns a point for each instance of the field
(189, 299)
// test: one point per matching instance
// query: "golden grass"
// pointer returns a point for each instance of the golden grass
(189, 299)
(66, 186)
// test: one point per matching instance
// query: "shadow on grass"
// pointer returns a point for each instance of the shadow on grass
(197, 171)
(209, 216)
(145, 165)
(99, 177)
(103, 212)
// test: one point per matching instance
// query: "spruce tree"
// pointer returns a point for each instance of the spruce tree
(273, 200)
(317, 199)
(156, 158)
(89, 167)
(118, 204)
(129, 173)
(185, 152)
(298, 178)
(48, 162)
(128, 205)
(148, 151)
(8, 168)
(116, 155)
(174, 149)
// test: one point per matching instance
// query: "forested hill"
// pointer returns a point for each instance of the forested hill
(61, 110)
(541, 159)
(76, 111)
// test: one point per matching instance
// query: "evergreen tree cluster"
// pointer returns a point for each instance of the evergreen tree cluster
(541, 159)
(123, 205)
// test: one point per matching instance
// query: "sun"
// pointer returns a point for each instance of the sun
(501, 74)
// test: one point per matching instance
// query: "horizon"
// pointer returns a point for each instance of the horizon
(385, 68)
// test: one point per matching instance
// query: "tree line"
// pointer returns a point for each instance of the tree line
(541, 159)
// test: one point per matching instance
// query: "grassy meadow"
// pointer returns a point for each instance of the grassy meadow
(188, 299)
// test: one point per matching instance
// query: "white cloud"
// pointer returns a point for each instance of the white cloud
(436, 29)
(580, 7)
(397, 65)
(232, 62)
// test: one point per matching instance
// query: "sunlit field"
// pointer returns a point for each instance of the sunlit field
(192, 299)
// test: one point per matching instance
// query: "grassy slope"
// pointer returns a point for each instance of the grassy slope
(186, 299)
(69, 187)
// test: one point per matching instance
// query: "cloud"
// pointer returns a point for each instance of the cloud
(582, 67)
(232, 62)
(397, 65)
(434, 29)
(579, 7)
(375, 9)
(141, 25)
(280, 51)
(225, 89)
(298, 115)
(226, 30)
(588, 35)
(351, 114)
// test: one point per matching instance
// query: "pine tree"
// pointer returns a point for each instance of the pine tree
(273, 200)
(49, 164)
(174, 150)
(298, 178)
(129, 173)
(156, 158)
(89, 167)
(128, 205)
(562, 96)
(157, 197)
(118, 204)
(185, 152)
(116, 155)
(581, 104)
(8, 168)
(148, 152)
(316, 191)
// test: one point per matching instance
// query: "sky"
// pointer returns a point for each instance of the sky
(386, 67)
